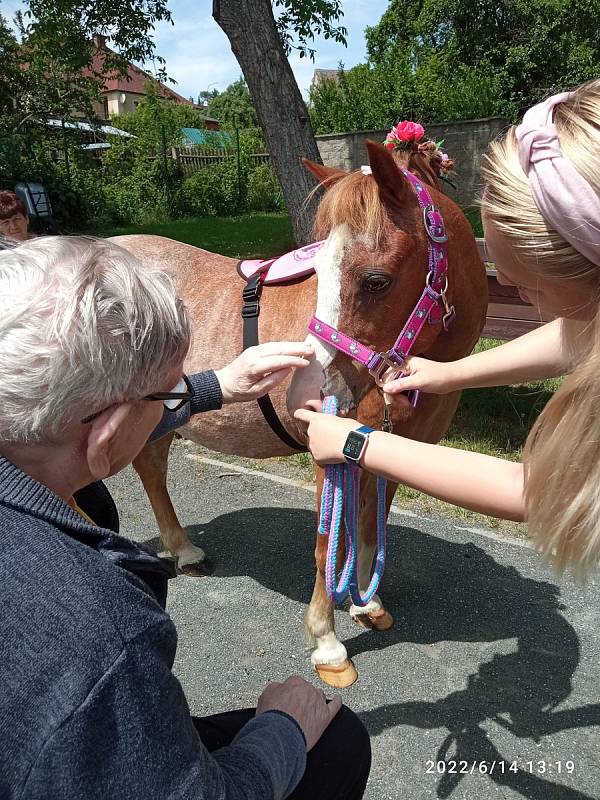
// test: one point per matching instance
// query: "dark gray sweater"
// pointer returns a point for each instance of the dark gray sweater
(89, 707)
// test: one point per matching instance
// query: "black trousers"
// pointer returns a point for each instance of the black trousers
(337, 768)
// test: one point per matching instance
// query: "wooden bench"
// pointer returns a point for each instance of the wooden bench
(507, 316)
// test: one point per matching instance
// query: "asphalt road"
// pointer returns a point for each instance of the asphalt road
(488, 685)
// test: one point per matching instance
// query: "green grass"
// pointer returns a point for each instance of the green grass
(248, 236)
(474, 216)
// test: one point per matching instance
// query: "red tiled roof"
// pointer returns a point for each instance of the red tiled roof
(136, 78)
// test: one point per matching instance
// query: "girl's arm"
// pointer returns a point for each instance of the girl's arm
(541, 353)
(471, 480)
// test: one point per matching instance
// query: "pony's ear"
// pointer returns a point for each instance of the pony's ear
(391, 183)
(326, 176)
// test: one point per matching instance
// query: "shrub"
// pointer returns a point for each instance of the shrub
(135, 199)
(213, 191)
(264, 191)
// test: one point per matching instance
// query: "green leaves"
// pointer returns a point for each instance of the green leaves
(233, 107)
(523, 50)
(299, 21)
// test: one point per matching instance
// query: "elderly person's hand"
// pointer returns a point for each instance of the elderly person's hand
(260, 369)
(302, 701)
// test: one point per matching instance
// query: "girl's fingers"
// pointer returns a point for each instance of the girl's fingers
(304, 415)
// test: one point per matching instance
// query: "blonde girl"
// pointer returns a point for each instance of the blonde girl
(541, 215)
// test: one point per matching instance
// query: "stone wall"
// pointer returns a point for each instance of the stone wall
(465, 142)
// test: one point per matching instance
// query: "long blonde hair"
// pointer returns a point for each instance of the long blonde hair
(562, 452)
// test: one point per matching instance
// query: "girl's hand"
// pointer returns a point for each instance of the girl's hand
(434, 377)
(326, 435)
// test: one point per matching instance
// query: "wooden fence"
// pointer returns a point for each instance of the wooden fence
(192, 159)
(507, 316)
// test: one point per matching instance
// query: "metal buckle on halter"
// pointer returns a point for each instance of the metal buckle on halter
(439, 237)
(450, 313)
(385, 364)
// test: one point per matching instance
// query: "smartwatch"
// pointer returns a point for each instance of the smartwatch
(356, 443)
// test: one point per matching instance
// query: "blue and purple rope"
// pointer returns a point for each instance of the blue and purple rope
(341, 496)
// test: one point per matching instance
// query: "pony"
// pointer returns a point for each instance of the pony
(370, 272)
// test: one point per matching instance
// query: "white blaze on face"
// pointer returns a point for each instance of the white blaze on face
(328, 266)
(306, 385)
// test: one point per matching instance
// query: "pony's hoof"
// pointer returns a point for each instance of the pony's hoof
(199, 569)
(379, 620)
(337, 675)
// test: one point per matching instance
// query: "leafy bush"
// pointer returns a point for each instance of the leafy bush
(212, 191)
(264, 191)
(136, 199)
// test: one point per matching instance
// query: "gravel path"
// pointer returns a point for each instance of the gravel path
(492, 662)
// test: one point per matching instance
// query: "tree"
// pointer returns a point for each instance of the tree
(64, 28)
(206, 95)
(261, 52)
(376, 96)
(233, 107)
(529, 47)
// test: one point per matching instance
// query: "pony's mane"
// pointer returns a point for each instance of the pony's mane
(352, 201)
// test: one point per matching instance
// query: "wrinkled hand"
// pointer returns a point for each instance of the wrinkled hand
(259, 369)
(326, 435)
(302, 701)
(434, 377)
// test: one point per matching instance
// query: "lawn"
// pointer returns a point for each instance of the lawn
(248, 236)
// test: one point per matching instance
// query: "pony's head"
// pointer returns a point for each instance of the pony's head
(371, 269)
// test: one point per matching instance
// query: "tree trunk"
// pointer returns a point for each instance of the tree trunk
(250, 27)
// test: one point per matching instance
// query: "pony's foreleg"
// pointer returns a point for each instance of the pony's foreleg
(373, 615)
(329, 658)
(151, 466)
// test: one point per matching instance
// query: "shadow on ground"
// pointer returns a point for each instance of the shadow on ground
(437, 591)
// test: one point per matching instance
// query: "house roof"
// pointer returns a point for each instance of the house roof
(201, 136)
(85, 126)
(320, 75)
(135, 80)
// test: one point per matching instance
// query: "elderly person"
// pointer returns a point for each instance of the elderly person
(14, 220)
(91, 351)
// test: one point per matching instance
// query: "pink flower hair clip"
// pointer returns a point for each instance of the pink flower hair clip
(405, 135)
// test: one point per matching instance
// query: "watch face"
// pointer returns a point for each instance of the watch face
(354, 445)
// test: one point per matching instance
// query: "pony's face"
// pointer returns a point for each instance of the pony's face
(371, 272)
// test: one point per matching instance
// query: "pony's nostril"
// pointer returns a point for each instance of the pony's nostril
(314, 405)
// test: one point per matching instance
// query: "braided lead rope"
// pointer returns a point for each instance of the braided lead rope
(341, 492)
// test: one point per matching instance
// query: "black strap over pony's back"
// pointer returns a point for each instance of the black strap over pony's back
(250, 312)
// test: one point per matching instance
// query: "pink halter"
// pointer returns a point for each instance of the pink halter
(563, 196)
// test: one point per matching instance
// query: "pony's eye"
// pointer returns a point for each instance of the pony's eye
(376, 282)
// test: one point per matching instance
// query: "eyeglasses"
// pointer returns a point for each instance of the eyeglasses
(177, 397)
(174, 400)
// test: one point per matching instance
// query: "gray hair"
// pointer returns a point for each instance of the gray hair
(83, 325)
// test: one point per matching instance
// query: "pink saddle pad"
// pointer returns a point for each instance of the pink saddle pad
(285, 268)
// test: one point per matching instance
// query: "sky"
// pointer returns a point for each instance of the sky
(198, 55)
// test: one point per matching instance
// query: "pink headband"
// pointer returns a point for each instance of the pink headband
(564, 198)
